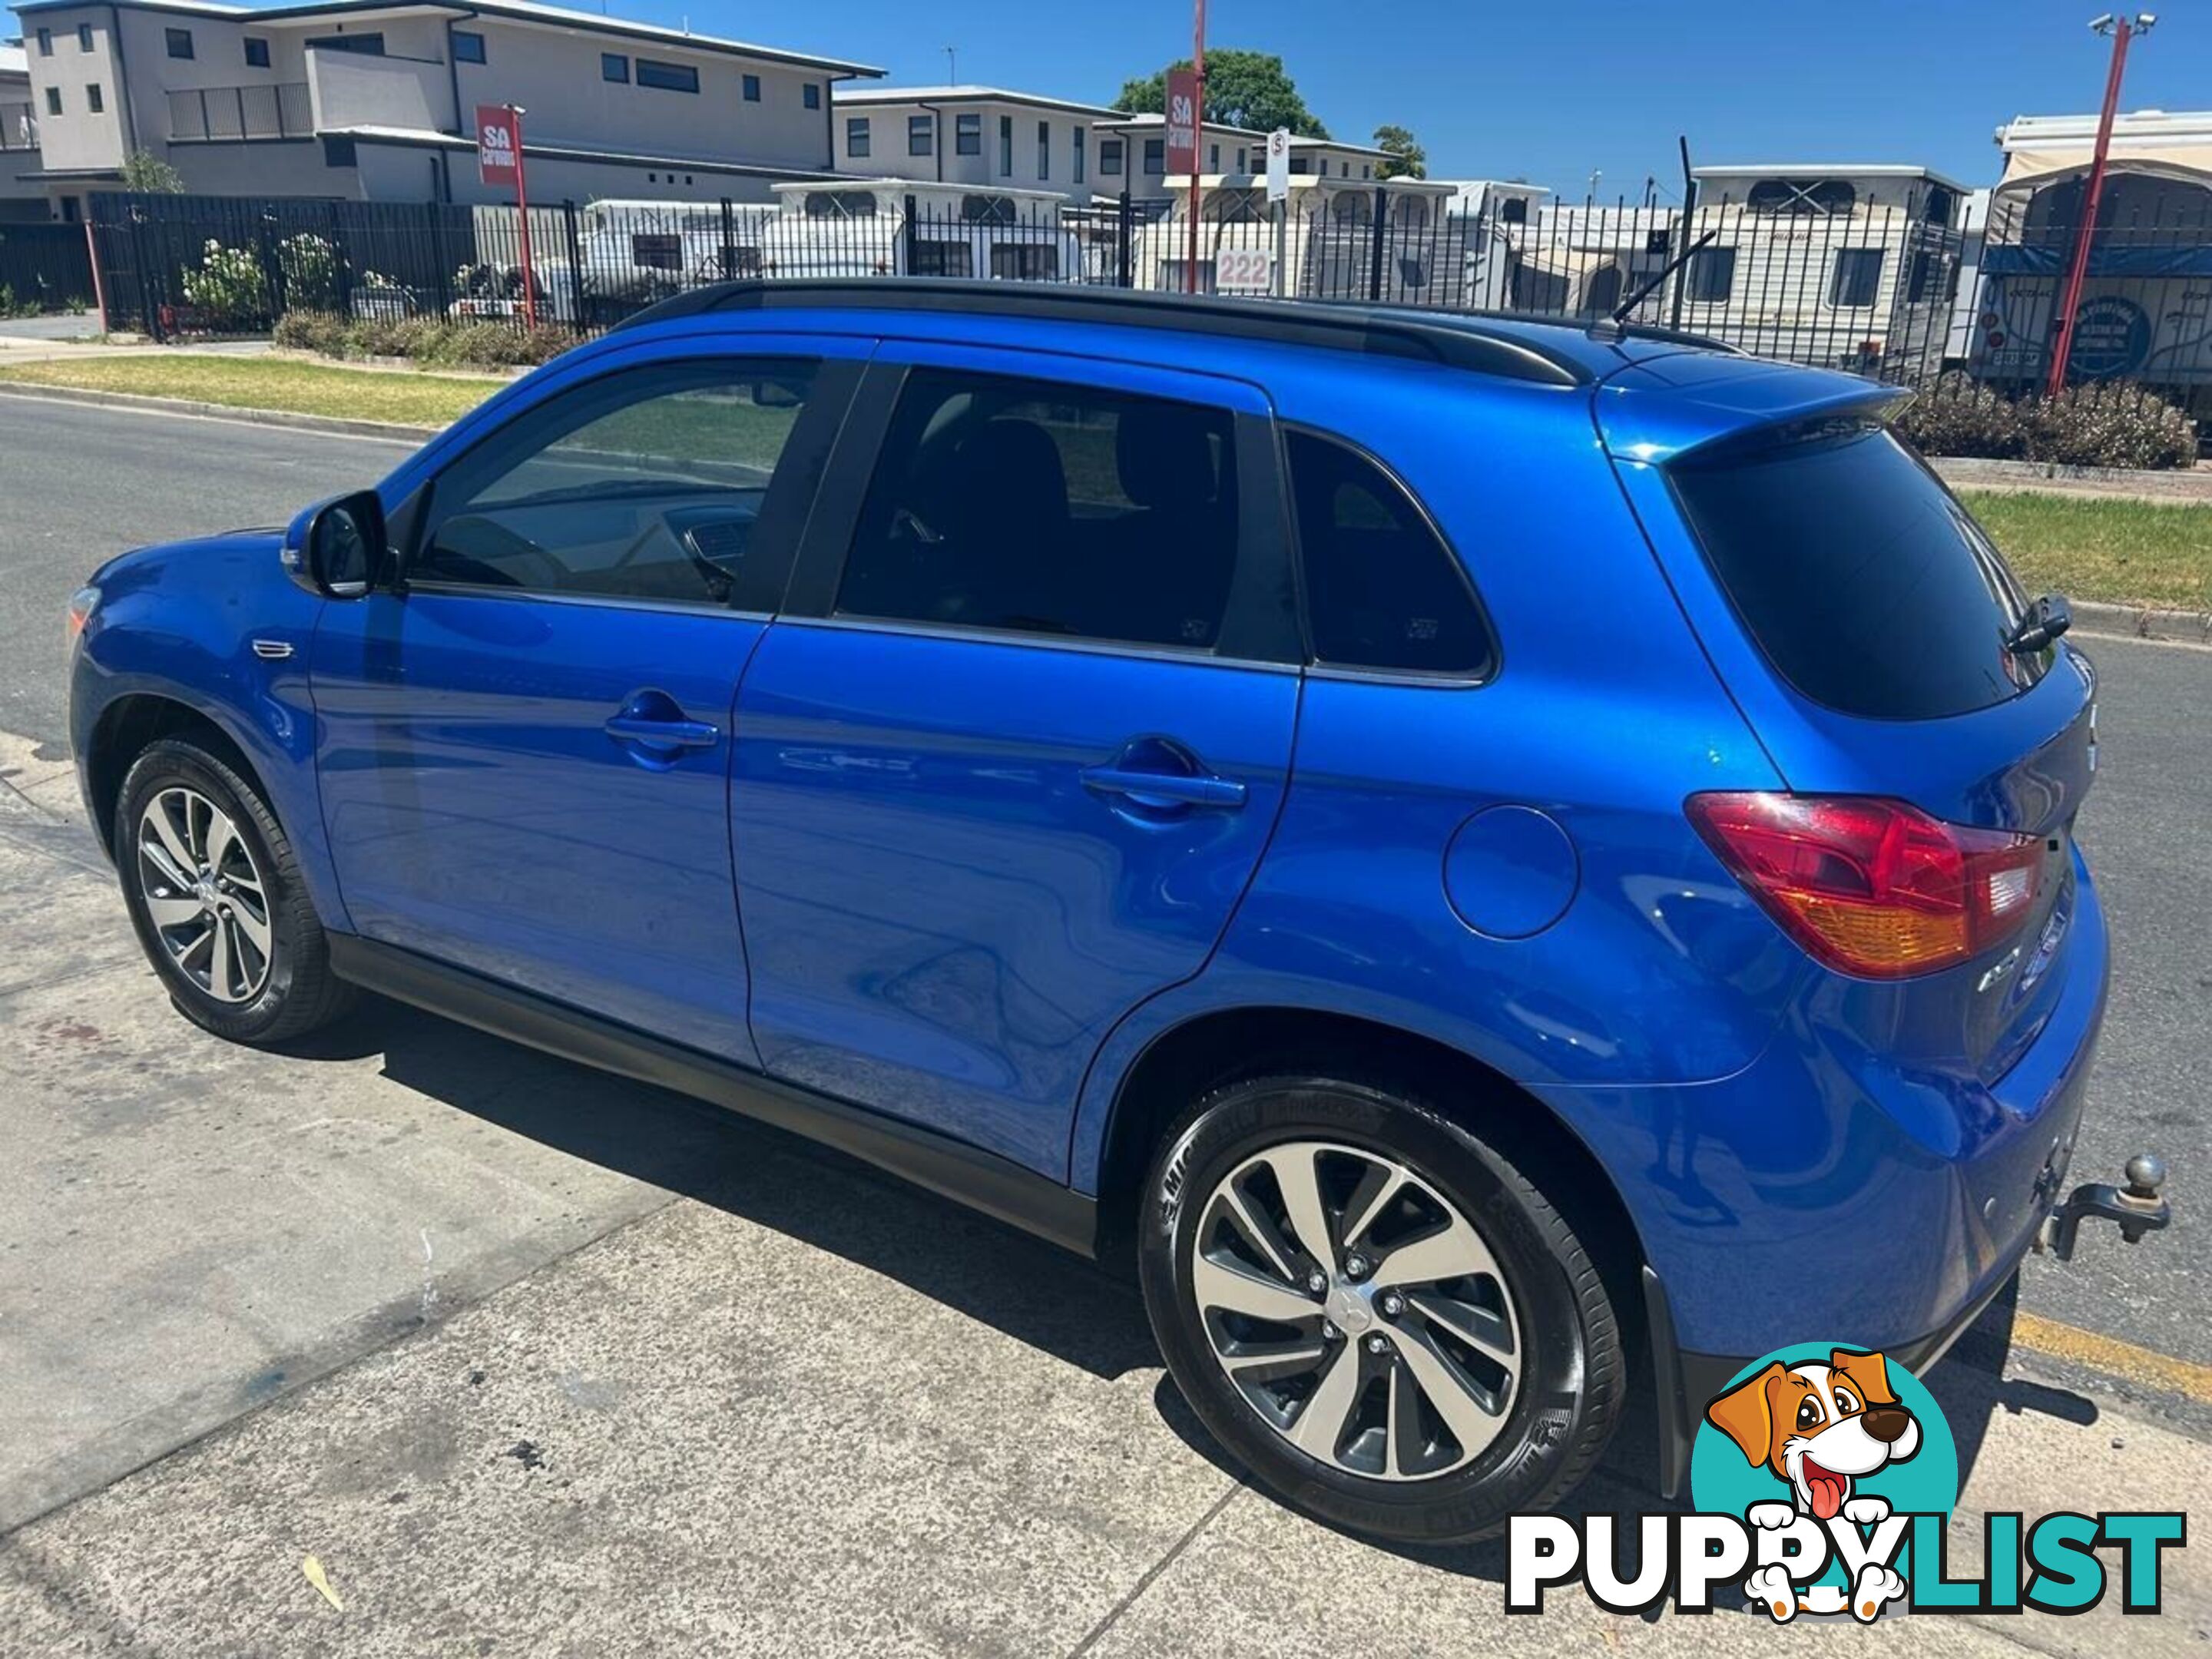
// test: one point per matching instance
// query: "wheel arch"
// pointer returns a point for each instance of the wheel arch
(132, 723)
(1223, 1046)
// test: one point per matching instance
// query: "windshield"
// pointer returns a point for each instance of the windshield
(1867, 586)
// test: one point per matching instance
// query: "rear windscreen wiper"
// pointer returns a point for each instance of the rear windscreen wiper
(2042, 622)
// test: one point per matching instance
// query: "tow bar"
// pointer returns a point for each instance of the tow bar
(2135, 1210)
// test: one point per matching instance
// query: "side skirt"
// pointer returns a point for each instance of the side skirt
(980, 1180)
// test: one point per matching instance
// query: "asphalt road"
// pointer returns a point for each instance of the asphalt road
(79, 485)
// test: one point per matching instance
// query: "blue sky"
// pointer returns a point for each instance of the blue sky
(1551, 90)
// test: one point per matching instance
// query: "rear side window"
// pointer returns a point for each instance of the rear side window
(1866, 584)
(1382, 590)
(1047, 508)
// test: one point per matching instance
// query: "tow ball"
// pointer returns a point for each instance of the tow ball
(2134, 1209)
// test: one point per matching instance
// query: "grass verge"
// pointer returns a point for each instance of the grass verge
(273, 383)
(2157, 554)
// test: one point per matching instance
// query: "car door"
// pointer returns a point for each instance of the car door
(524, 745)
(1010, 754)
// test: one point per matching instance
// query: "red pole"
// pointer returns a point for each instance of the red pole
(2078, 269)
(522, 212)
(1198, 145)
(92, 254)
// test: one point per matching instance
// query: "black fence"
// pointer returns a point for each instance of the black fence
(1900, 286)
(44, 268)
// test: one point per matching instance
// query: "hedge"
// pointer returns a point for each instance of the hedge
(2097, 425)
(433, 340)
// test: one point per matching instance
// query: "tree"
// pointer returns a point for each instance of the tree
(1249, 89)
(1408, 159)
(145, 171)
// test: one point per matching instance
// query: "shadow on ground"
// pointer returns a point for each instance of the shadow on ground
(1077, 1311)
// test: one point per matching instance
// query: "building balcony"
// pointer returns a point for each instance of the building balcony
(19, 127)
(230, 115)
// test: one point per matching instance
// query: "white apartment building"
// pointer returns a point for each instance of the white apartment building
(1132, 155)
(370, 99)
(970, 135)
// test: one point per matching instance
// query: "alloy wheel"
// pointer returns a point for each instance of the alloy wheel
(204, 895)
(1356, 1311)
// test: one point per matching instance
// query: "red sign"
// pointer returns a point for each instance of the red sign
(499, 143)
(1182, 121)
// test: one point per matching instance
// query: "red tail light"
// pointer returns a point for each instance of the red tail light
(1870, 887)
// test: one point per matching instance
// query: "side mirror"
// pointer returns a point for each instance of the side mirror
(336, 548)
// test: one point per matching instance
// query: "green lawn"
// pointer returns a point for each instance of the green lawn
(2146, 553)
(270, 383)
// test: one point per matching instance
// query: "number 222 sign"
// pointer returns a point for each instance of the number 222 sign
(1243, 270)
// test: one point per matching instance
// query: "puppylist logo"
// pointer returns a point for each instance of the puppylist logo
(1823, 1478)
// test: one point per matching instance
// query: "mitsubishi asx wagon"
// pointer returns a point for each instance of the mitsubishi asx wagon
(1501, 869)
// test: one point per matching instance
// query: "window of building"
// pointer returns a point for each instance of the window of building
(1856, 276)
(1110, 158)
(968, 134)
(1005, 146)
(840, 204)
(337, 152)
(751, 88)
(1366, 170)
(1243, 157)
(856, 136)
(46, 43)
(1035, 507)
(1156, 156)
(1711, 276)
(84, 36)
(53, 100)
(1044, 149)
(1797, 199)
(180, 42)
(614, 66)
(94, 100)
(468, 46)
(1299, 164)
(810, 95)
(367, 46)
(921, 135)
(256, 52)
(1079, 148)
(1382, 589)
(667, 77)
(1213, 158)
(644, 485)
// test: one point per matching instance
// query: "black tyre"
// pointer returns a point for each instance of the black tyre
(1442, 1356)
(217, 898)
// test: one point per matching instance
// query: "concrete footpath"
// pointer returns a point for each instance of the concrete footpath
(532, 1361)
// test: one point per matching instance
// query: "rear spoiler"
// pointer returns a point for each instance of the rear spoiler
(1664, 409)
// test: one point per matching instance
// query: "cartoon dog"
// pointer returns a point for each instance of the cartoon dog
(1820, 1429)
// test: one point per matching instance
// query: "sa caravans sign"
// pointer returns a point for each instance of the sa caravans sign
(499, 143)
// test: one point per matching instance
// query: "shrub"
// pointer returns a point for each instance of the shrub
(433, 340)
(1958, 415)
(311, 330)
(310, 264)
(495, 345)
(2094, 425)
(2110, 425)
(230, 289)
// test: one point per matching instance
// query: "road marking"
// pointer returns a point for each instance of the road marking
(2124, 1360)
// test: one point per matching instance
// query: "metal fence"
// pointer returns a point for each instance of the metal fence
(44, 268)
(1898, 290)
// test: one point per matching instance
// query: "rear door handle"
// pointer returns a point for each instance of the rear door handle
(668, 734)
(1182, 789)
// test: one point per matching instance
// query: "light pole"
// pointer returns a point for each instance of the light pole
(2122, 30)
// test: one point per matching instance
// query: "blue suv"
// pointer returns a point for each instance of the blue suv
(1510, 867)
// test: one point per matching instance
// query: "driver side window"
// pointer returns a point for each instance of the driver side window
(648, 484)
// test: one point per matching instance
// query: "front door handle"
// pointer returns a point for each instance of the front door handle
(1165, 788)
(667, 734)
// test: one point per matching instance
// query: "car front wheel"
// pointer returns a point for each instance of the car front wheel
(216, 896)
(1391, 1326)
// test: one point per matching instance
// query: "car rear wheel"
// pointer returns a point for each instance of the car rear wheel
(1373, 1308)
(216, 897)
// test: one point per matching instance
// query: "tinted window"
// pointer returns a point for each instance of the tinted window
(180, 42)
(667, 77)
(1866, 584)
(613, 66)
(468, 46)
(1049, 509)
(256, 52)
(1382, 591)
(1711, 274)
(643, 486)
(1856, 276)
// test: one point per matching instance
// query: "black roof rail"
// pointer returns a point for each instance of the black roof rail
(1450, 338)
